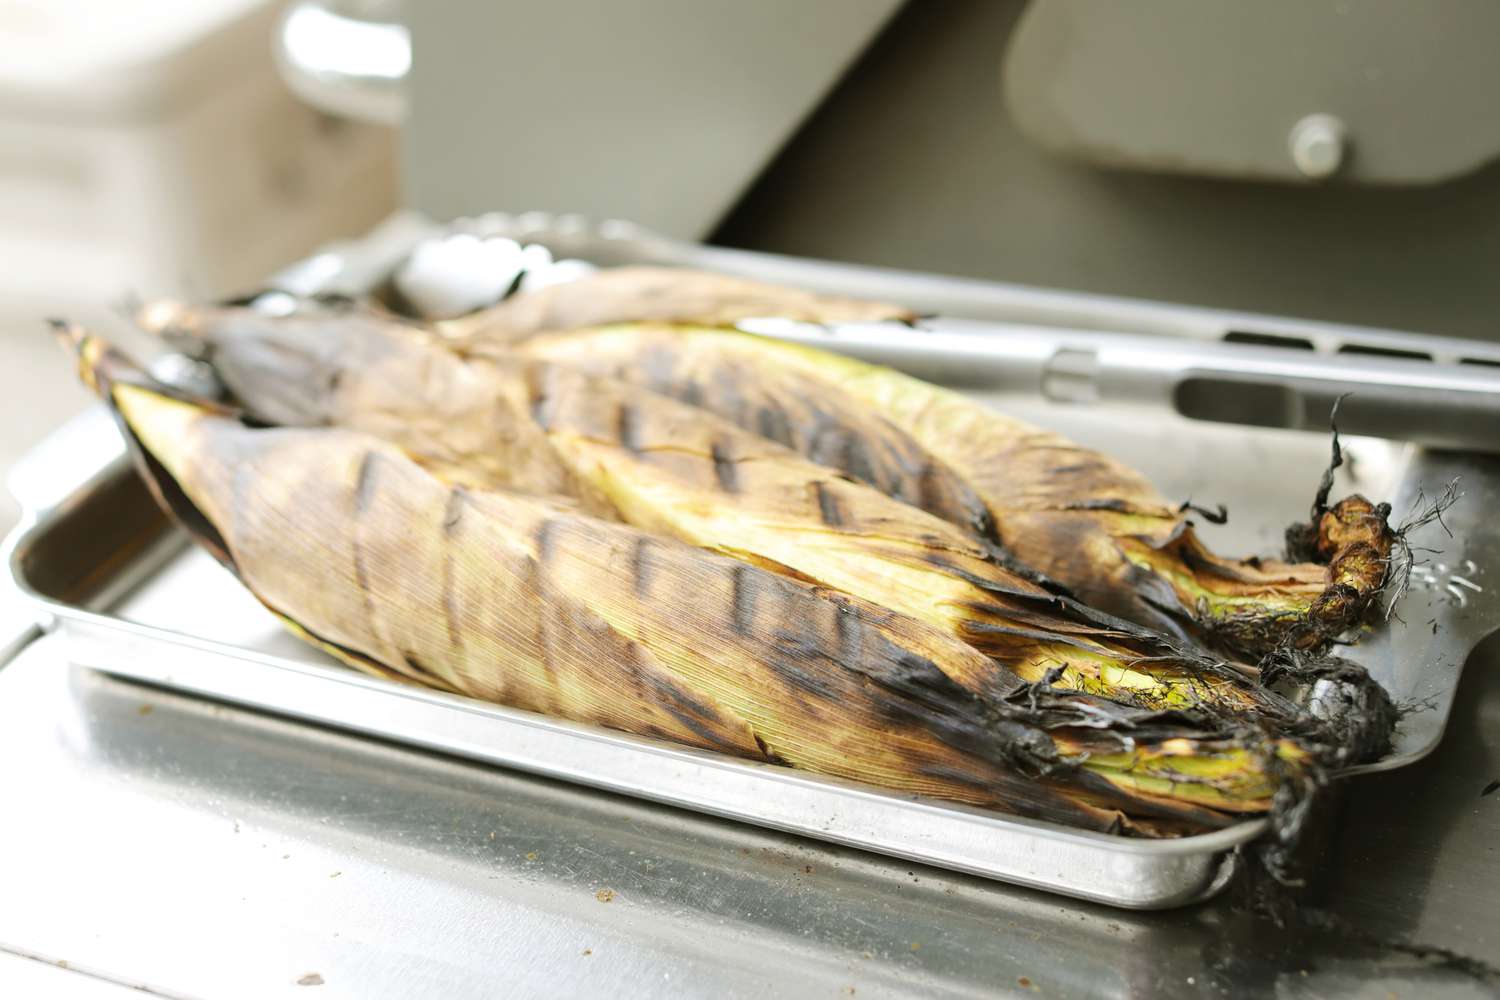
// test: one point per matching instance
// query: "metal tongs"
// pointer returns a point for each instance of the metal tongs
(1068, 347)
(1436, 404)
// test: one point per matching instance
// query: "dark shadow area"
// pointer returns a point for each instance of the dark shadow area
(914, 162)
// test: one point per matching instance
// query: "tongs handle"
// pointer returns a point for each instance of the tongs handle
(1438, 405)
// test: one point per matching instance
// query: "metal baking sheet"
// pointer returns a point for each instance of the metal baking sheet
(136, 601)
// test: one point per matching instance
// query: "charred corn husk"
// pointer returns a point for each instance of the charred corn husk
(659, 293)
(674, 469)
(521, 601)
(1076, 515)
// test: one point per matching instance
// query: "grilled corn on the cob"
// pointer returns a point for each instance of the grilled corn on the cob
(667, 467)
(519, 600)
(1076, 515)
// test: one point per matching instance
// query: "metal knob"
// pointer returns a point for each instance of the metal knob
(1318, 145)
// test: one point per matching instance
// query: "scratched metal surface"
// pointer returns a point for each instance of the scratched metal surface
(201, 850)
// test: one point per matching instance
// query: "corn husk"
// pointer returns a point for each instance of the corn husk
(674, 469)
(1074, 514)
(530, 603)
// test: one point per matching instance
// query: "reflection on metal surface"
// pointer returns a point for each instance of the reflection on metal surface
(1439, 576)
(344, 65)
(205, 850)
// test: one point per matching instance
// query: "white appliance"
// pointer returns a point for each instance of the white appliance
(152, 148)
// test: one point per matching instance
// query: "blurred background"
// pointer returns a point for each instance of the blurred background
(154, 149)
(1318, 158)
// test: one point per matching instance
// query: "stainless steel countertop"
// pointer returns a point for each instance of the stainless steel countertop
(195, 849)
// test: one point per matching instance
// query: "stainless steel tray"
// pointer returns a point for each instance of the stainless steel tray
(100, 563)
